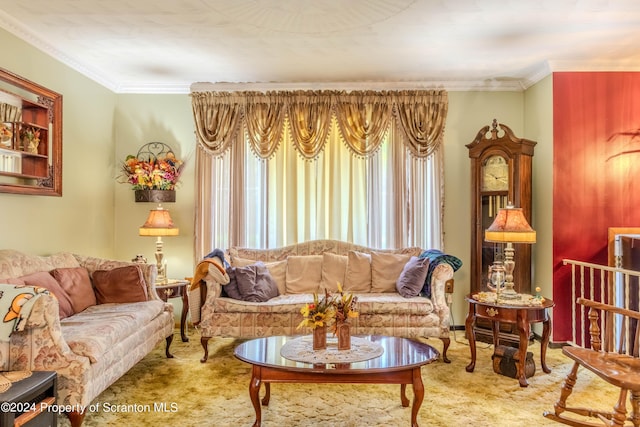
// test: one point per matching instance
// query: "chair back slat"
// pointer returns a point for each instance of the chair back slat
(612, 329)
(636, 341)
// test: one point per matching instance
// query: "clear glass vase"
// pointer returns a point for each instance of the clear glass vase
(497, 276)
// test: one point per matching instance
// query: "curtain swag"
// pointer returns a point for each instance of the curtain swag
(363, 118)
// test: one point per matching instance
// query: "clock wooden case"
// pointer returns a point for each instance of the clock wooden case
(501, 166)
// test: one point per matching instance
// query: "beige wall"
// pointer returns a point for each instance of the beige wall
(165, 118)
(82, 220)
(468, 113)
(98, 216)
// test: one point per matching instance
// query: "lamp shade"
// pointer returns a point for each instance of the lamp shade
(510, 226)
(159, 223)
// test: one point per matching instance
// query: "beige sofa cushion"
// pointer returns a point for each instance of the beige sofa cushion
(385, 270)
(278, 270)
(304, 274)
(334, 270)
(242, 262)
(358, 275)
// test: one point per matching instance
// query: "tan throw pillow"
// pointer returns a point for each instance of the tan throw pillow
(303, 274)
(358, 275)
(46, 280)
(385, 270)
(278, 270)
(334, 269)
(242, 262)
(118, 285)
(77, 284)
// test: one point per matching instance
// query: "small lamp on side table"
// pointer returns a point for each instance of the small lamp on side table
(510, 226)
(158, 224)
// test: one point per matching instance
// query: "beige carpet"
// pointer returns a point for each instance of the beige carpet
(216, 393)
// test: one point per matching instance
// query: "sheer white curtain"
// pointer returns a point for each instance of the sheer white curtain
(390, 199)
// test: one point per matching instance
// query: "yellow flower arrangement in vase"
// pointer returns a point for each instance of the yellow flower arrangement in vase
(318, 313)
(345, 307)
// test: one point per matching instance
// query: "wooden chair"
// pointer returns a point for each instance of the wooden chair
(614, 358)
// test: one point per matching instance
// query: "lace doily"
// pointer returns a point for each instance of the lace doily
(301, 350)
(9, 377)
(521, 299)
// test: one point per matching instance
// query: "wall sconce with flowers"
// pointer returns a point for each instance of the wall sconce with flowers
(153, 173)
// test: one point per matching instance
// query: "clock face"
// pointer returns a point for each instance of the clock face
(495, 174)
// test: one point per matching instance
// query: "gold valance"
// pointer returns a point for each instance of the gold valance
(363, 118)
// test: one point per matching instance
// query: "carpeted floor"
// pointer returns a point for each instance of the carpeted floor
(184, 392)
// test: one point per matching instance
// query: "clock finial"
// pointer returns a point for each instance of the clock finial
(494, 129)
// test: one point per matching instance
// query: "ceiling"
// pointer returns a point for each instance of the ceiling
(165, 46)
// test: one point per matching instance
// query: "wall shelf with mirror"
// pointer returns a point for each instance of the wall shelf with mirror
(30, 137)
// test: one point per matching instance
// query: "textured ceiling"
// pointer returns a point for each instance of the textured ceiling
(164, 46)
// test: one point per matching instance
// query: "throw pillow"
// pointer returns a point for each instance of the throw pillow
(412, 278)
(255, 283)
(120, 285)
(334, 270)
(231, 289)
(358, 275)
(13, 281)
(278, 270)
(46, 280)
(385, 270)
(304, 273)
(242, 262)
(77, 285)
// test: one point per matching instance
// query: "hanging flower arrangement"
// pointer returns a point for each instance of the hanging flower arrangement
(153, 174)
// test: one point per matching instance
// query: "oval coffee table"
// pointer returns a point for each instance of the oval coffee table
(399, 363)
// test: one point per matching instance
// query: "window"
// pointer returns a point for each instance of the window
(390, 198)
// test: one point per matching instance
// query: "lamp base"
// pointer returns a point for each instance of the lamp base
(509, 294)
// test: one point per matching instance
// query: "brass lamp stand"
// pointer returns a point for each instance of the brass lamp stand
(159, 224)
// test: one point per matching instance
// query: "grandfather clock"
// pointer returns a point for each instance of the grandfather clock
(501, 167)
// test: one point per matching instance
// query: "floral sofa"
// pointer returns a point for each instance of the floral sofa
(306, 268)
(89, 332)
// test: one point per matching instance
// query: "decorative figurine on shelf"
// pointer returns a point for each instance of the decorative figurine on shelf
(140, 259)
(30, 140)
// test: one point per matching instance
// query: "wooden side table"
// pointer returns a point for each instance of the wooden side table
(177, 289)
(26, 402)
(523, 316)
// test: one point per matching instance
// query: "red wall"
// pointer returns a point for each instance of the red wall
(596, 167)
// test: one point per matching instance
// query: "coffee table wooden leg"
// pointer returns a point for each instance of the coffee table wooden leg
(267, 394)
(403, 395)
(418, 395)
(254, 394)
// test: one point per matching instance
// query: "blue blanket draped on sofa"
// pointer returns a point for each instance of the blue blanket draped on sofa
(436, 257)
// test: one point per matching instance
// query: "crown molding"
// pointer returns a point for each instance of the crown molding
(26, 34)
(466, 85)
